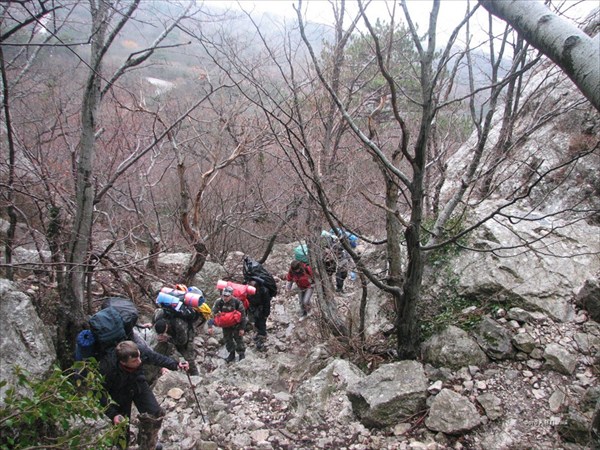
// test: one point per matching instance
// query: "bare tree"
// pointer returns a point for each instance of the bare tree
(569, 47)
(28, 20)
(108, 19)
(408, 172)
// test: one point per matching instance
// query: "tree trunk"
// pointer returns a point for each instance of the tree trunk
(153, 257)
(323, 286)
(407, 325)
(72, 318)
(570, 48)
(363, 307)
(10, 194)
(195, 265)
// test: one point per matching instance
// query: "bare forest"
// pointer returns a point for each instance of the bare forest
(134, 128)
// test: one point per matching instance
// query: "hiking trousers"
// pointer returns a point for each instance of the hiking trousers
(304, 296)
(233, 340)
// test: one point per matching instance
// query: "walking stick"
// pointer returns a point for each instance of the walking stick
(195, 396)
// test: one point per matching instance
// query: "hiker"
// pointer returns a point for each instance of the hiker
(233, 331)
(260, 309)
(301, 274)
(336, 259)
(176, 330)
(344, 262)
(125, 382)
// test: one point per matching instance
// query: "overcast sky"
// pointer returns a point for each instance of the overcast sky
(451, 11)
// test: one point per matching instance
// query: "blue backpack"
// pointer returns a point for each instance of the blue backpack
(109, 326)
(351, 237)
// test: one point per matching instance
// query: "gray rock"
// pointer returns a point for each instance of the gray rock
(557, 400)
(325, 393)
(453, 348)
(591, 327)
(494, 339)
(588, 297)
(390, 394)
(590, 399)
(587, 343)
(523, 316)
(531, 280)
(207, 279)
(559, 359)
(492, 405)
(524, 342)
(26, 341)
(452, 413)
(575, 427)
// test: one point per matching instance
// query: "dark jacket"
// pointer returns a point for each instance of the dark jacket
(261, 301)
(181, 327)
(123, 385)
(231, 305)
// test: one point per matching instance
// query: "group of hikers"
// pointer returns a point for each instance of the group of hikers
(127, 382)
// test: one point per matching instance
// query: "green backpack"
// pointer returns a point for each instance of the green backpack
(301, 253)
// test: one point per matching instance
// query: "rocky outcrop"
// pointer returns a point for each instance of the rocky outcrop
(26, 341)
(536, 281)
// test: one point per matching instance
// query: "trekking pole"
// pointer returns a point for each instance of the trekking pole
(196, 397)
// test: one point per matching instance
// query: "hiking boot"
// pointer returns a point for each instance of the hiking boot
(242, 356)
(261, 348)
(231, 357)
(148, 429)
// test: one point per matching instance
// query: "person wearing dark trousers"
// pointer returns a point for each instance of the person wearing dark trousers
(125, 382)
(233, 334)
(260, 309)
(179, 332)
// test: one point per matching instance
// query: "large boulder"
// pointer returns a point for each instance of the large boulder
(207, 279)
(325, 394)
(26, 342)
(390, 394)
(453, 348)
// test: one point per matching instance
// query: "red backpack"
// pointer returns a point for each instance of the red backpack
(228, 319)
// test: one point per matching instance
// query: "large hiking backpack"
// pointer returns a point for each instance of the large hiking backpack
(240, 291)
(126, 309)
(253, 270)
(183, 302)
(301, 253)
(352, 239)
(109, 326)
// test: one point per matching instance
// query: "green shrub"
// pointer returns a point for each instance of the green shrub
(57, 411)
